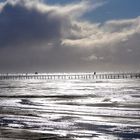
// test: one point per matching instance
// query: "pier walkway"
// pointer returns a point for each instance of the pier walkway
(72, 76)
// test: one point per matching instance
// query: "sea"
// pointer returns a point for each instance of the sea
(95, 109)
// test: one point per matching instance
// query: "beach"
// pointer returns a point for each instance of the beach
(94, 109)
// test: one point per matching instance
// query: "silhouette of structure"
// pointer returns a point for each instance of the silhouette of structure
(71, 76)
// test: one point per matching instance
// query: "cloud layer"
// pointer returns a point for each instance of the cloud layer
(35, 36)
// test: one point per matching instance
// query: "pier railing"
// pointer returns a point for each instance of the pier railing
(70, 76)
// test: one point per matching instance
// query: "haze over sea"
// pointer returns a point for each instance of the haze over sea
(94, 109)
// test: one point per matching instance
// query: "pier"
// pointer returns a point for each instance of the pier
(71, 76)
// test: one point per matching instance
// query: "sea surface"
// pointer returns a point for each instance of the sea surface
(70, 109)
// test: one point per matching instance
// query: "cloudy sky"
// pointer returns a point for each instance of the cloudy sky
(69, 35)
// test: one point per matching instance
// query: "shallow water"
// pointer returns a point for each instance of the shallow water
(70, 109)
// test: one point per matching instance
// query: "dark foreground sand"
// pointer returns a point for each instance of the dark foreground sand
(21, 134)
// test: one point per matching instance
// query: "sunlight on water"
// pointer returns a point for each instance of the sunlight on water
(70, 109)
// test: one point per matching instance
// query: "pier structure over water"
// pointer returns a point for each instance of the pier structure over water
(71, 76)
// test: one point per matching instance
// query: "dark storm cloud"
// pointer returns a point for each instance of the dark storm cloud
(32, 22)
(21, 25)
(31, 34)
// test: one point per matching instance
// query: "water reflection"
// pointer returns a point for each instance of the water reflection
(40, 109)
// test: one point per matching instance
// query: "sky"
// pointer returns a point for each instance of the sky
(69, 35)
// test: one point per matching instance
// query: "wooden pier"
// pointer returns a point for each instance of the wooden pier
(72, 76)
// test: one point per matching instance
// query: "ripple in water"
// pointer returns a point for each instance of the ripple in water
(70, 110)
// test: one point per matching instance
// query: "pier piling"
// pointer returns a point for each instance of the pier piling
(84, 76)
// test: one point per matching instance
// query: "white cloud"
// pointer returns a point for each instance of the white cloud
(112, 32)
(71, 10)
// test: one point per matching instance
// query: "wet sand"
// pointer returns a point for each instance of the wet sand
(70, 110)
